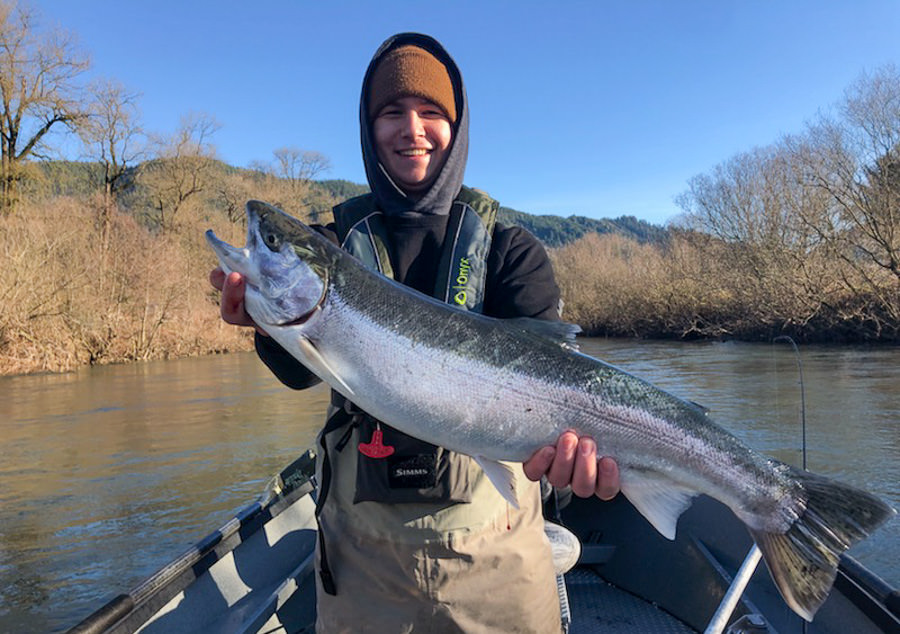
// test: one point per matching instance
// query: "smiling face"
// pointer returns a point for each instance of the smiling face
(412, 139)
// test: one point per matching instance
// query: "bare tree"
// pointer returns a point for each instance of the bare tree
(112, 133)
(813, 221)
(298, 166)
(749, 199)
(182, 170)
(857, 157)
(851, 161)
(233, 191)
(754, 205)
(289, 176)
(38, 91)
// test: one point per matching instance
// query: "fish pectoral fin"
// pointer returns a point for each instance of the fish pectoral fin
(323, 368)
(502, 476)
(658, 499)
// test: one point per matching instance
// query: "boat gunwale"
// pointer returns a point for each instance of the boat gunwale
(292, 483)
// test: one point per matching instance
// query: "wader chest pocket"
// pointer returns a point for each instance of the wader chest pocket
(412, 472)
(415, 472)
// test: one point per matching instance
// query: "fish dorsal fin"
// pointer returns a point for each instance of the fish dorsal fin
(324, 369)
(502, 477)
(701, 408)
(559, 332)
(658, 499)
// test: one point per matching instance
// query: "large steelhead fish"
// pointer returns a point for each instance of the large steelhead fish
(498, 390)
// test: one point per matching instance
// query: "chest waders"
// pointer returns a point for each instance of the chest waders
(394, 467)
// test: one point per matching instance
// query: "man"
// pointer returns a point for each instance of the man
(414, 536)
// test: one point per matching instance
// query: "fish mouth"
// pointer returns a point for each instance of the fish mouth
(232, 259)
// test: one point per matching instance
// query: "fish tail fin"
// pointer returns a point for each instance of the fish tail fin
(803, 561)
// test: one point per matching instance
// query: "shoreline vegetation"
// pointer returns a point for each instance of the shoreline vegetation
(103, 259)
(86, 280)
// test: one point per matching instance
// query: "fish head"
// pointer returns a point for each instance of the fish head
(285, 265)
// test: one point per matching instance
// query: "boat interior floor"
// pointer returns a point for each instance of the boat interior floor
(598, 606)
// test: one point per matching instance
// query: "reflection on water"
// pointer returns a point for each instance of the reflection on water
(109, 473)
(753, 390)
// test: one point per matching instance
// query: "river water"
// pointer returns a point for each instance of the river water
(110, 472)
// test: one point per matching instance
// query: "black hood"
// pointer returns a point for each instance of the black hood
(439, 197)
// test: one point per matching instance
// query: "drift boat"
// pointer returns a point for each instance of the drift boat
(255, 575)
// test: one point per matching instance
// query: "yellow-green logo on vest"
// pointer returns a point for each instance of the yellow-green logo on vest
(462, 282)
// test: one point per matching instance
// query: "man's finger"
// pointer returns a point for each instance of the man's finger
(217, 278)
(539, 463)
(608, 485)
(584, 475)
(232, 304)
(560, 474)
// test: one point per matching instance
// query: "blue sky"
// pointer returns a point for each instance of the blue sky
(591, 108)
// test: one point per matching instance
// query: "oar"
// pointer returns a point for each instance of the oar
(738, 585)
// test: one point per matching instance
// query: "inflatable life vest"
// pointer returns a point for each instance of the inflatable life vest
(393, 467)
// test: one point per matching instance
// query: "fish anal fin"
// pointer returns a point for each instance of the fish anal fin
(658, 499)
(502, 476)
(324, 369)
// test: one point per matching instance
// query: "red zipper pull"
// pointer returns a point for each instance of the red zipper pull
(376, 447)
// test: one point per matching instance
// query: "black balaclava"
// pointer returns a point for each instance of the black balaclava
(439, 197)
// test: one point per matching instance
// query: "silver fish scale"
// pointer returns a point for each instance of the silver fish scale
(475, 386)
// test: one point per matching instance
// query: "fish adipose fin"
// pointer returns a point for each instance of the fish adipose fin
(658, 499)
(502, 477)
(804, 560)
(323, 368)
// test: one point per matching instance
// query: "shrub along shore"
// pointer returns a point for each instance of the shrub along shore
(85, 284)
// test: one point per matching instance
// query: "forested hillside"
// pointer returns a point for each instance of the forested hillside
(556, 231)
(68, 178)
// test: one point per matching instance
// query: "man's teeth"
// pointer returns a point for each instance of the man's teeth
(415, 152)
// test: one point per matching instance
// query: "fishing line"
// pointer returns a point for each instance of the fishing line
(802, 394)
(802, 413)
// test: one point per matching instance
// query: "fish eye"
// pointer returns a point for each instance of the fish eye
(272, 241)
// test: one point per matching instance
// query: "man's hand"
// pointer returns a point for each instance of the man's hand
(573, 461)
(232, 304)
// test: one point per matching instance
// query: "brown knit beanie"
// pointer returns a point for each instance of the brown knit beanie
(411, 71)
